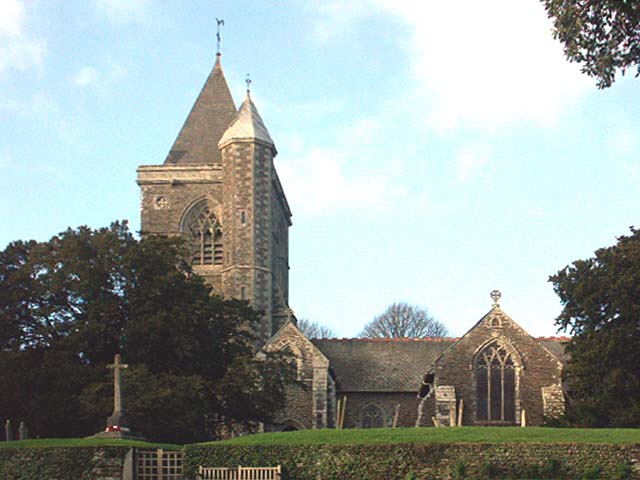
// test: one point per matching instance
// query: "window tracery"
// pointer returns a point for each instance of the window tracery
(206, 236)
(495, 371)
(372, 417)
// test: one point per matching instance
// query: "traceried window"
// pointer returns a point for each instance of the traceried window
(372, 417)
(495, 384)
(206, 236)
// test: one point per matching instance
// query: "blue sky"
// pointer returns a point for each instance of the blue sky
(430, 151)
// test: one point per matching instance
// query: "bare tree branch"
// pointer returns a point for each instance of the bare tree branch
(402, 320)
(314, 329)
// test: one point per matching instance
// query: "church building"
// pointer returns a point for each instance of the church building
(219, 189)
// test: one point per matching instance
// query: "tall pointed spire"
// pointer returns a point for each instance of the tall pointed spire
(213, 111)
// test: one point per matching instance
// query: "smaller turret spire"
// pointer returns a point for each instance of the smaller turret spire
(248, 125)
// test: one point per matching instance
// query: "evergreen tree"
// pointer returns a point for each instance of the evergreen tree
(601, 308)
(69, 304)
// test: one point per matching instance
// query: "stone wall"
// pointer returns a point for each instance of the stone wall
(431, 461)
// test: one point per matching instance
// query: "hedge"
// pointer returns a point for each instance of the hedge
(62, 463)
(426, 461)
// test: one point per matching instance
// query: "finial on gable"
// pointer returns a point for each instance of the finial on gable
(495, 296)
(220, 23)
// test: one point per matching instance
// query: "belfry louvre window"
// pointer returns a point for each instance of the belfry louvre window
(495, 384)
(207, 239)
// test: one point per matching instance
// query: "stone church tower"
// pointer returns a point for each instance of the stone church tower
(218, 188)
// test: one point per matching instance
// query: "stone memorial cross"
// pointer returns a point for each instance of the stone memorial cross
(117, 417)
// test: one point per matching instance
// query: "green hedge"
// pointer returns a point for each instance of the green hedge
(425, 461)
(60, 463)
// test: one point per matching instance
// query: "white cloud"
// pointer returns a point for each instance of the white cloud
(319, 184)
(471, 160)
(19, 49)
(336, 17)
(91, 76)
(124, 11)
(11, 17)
(321, 180)
(482, 64)
(85, 76)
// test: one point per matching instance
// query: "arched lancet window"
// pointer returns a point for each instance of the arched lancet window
(291, 425)
(372, 417)
(293, 361)
(206, 235)
(495, 384)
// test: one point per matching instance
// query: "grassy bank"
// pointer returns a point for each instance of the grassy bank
(492, 435)
(85, 442)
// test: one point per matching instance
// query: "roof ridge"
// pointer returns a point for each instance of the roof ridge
(385, 339)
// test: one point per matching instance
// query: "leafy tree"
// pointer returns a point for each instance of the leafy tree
(601, 308)
(402, 320)
(314, 329)
(69, 304)
(603, 35)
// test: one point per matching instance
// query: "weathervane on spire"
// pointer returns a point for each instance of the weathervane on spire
(220, 22)
(248, 82)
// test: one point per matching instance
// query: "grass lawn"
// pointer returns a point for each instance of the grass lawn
(443, 435)
(85, 442)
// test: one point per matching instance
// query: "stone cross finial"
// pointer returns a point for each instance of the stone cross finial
(495, 296)
(220, 23)
(289, 313)
(117, 384)
(248, 82)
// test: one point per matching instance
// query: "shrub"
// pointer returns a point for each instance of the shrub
(459, 471)
(551, 469)
(623, 471)
(490, 470)
(591, 472)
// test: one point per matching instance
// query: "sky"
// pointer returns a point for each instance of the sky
(430, 151)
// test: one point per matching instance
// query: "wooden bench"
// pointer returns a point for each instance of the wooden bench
(239, 473)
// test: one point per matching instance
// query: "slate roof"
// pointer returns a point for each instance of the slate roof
(248, 125)
(381, 365)
(212, 113)
(556, 346)
(393, 365)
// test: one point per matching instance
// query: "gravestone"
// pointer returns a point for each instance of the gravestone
(446, 405)
(23, 433)
(553, 401)
(8, 431)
